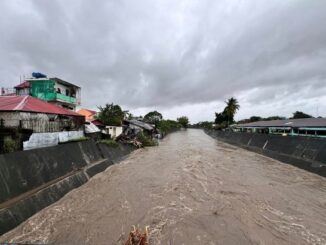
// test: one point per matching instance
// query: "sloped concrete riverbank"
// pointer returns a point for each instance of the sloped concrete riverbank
(308, 153)
(191, 189)
(32, 180)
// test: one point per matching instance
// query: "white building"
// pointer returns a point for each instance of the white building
(113, 131)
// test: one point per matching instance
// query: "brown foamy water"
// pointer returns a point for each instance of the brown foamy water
(191, 189)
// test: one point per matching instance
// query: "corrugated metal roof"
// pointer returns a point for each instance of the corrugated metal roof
(25, 84)
(141, 124)
(31, 104)
(302, 122)
(97, 122)
(91, 128)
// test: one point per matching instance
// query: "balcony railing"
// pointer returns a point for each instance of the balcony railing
(65, 98)
(50, 96)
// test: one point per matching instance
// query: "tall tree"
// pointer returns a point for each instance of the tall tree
(184, 121)
(153, 117)
(220, 117)
(111, 115)
(232, 106)
(300, 114)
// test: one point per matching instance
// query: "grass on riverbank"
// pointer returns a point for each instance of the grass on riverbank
(109, 142)
(146, 140)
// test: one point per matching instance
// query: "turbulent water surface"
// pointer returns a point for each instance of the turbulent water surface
(191, 189)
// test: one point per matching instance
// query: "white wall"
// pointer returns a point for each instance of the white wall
(39, 140)
(23, 91)
(70, 135)
(114, 131)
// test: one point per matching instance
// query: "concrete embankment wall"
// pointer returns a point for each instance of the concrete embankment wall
(32, 180)
(304, 152)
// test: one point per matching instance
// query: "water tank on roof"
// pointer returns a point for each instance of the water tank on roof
(38, 75)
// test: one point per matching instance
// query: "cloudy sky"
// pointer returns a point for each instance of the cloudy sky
(178, 57)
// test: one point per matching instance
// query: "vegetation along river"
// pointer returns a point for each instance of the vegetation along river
(191, 189)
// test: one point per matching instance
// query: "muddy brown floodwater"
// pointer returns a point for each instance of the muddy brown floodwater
(191, 189)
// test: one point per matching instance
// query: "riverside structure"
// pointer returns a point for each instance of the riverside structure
(313, 127)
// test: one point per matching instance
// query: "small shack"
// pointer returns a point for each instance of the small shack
(133, 127)
(47, 123)
(113, 131)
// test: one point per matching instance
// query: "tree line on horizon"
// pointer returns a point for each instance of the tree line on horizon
(226, 118)
(113, 115)
(296, 115)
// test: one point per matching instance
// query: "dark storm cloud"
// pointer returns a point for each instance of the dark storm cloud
(164, 53)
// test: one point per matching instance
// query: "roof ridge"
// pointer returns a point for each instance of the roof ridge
(21, 103)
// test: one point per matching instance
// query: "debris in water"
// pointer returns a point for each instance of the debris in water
(137, 237)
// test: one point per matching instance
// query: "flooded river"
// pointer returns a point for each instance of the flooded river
(191, 189)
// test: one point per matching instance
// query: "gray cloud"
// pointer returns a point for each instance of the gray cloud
(167, 53)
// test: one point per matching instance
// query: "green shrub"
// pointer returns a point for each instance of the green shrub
(108, 142)
(146, 140)
(166, 126)
(10, 145)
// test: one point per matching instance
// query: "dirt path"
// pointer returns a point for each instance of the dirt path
(189, 190)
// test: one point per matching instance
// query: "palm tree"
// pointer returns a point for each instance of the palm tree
(232, 106)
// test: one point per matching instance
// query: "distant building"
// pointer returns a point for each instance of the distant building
(47, 123)
(93, 127)
(139, 124)
(131, 128)
(53, 90)
(7, 91)
(90, 115)
(293, 127)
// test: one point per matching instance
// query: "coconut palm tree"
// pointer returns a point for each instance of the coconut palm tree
(232, 106)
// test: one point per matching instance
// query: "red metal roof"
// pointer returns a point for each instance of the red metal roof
(31, 104)
(97, 122)
(25, 84)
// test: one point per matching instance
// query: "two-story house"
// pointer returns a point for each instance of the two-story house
(53, 90)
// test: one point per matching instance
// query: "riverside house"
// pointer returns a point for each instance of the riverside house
(53, 90)
(32, 123)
